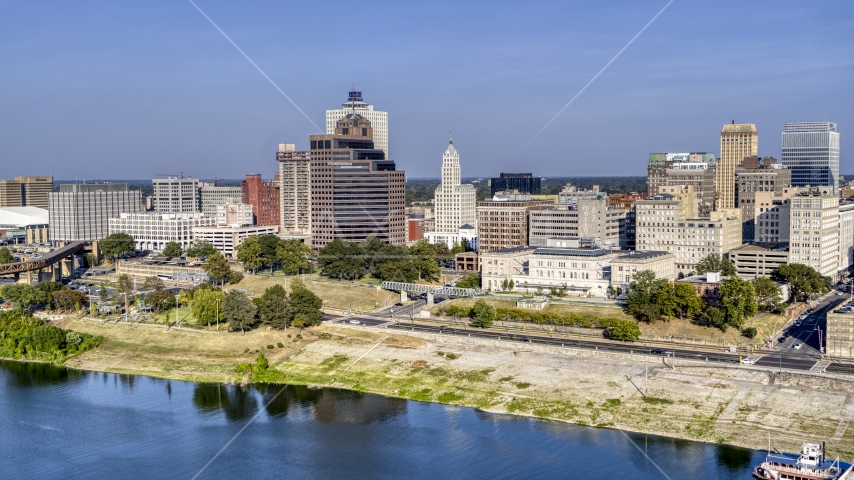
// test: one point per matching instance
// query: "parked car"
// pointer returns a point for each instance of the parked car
(797, 346)
(657, 351)
(525, 339)
(355, 322)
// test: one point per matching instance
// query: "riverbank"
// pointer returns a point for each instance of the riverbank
(693, 401)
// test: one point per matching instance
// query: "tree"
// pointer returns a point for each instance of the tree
(68, 300)
(305, 303)
(482, 314)
(251, 254)
(688, 302)
(513, 285)
(275, 309)
(424, 260)
(398, 271)
(768, 295)
(269, 245)
(715, 263)
(48, 288)
(625, 330)
(473, 281)
(102, 292)
(300, 321)
(714, 317)
(217, 268)
(294, 256)
(200, 249)
(206, 304)
(160, 300)
(644, 290)
(153, 283)
(457, 248)
(117, 244)
(442, 252)
(738, 300)
(803, 280)
(124, 284)
(6, 256)
(186, 297)
(342, 260)
(238, 310)
(172, 249)
(24, 296)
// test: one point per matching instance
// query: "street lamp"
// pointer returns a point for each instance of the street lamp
(217, 314)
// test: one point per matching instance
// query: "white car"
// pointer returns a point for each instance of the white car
(797, 346)
(355, 322)
(748, 361)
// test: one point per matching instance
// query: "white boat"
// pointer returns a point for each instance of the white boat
(810, 464)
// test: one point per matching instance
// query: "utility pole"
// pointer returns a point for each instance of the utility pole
(217, 314)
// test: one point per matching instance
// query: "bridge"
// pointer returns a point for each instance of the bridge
(430, 290)
(44, 261)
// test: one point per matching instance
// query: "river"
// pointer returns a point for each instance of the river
(59, 423)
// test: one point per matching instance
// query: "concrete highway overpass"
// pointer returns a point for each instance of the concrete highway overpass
(51, 260)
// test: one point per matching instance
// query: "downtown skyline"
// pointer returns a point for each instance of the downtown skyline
(90, 94)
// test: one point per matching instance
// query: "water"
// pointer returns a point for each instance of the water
(57, 423)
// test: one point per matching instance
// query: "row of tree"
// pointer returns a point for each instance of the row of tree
(351, 260)
(269, 251)
(275, 308)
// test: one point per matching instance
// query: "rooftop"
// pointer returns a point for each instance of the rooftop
(641, 255)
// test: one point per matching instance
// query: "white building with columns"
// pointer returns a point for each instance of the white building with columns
(454, 203)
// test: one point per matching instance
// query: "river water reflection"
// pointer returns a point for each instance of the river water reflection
(57, 423)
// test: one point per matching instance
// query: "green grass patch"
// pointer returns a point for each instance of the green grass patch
(505, 379)
(522, 385)
(657, 401)
(449, 397)
(612, 403)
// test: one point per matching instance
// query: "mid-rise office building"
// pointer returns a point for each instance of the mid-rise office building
(524, 183)
(669, 222)
(26, 191)
(355, 105)
(356, 192)
(153, 230)
(81, 212)
(752, 260)
(294, 189)
(213, 196)
(814, 230)
(626, 266)
(738, 140)
(811, 152)
(659, 163)
(264, 196)
(840, 335)
(755, 176)
(227, 239)
(455, 204)
(234, 214)
(571, 195)
(586, 219)
(698, 175)
(176, 195)
(503, 221)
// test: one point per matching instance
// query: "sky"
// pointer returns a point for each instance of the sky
(131, 90)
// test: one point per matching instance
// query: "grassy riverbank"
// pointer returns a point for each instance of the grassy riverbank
(728, 405)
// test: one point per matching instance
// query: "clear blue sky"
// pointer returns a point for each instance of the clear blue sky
(135, 89)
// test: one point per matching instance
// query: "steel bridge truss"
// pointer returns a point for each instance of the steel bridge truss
(418, 288)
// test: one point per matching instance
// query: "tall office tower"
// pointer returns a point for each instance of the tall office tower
(294, 189)
(757, 176)
(524, 183)
(34, 190)
(81, 212)
(264, 198)
(738, 140)
(811, 152)
(354, 104)
(214, 196)
(356, 192)
(455, 204)
(11, 194)
(176, 195)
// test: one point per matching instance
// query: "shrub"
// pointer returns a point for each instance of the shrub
(280, 345)
(625, 330)
(270, 346)
(482, 314)
(749, 332)
(451, 356)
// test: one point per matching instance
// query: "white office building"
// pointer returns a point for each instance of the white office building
(811, 152)
(814, 230)
(153, 230)
(81, 212)
(234, 214)
(176, 195)
(226, 239)
(214, 196)
(354, 104)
